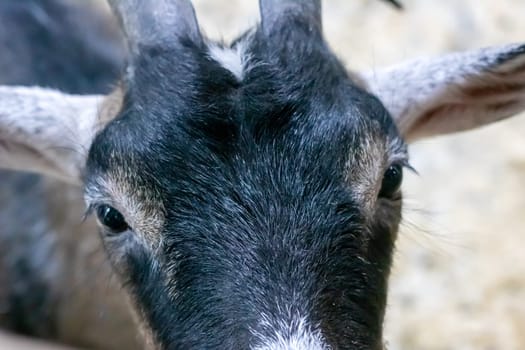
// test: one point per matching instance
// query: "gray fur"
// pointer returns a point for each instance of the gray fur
(46, 131)
(411, 89)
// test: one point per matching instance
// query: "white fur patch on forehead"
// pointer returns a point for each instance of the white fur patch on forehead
(232, 59)
(297, 335)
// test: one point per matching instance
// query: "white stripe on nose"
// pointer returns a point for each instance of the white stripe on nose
(296, 335)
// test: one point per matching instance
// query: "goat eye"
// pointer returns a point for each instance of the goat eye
(391, 181)
(111, 218)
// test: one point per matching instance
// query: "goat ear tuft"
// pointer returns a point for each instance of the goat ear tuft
(452, 93)
(46, 131)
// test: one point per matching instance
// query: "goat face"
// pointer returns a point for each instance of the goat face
(249, 195)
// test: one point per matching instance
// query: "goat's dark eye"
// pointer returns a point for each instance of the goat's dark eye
(111, 218)
(391, 181)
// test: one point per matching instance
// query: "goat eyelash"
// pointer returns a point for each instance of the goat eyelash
(405, 163)
(408, 166)
(88, 212)
(396, 4)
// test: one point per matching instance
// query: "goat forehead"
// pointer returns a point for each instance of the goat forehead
(217, 150)
(285, 134)
(203, 110)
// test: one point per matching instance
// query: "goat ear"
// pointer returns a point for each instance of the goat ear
(455, 92)
(46, 131)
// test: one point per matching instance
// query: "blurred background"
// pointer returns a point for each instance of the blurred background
(459, 275)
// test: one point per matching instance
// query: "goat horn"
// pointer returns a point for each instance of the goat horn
(273, 10)
(156, 22)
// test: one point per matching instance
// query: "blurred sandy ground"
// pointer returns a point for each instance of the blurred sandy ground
(459, 275)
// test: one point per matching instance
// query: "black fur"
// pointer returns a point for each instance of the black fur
(251, 176)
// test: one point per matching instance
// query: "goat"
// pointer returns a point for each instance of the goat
(249, 195)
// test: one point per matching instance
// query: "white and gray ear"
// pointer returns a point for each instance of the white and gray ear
(46, 131)
(455, 92)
